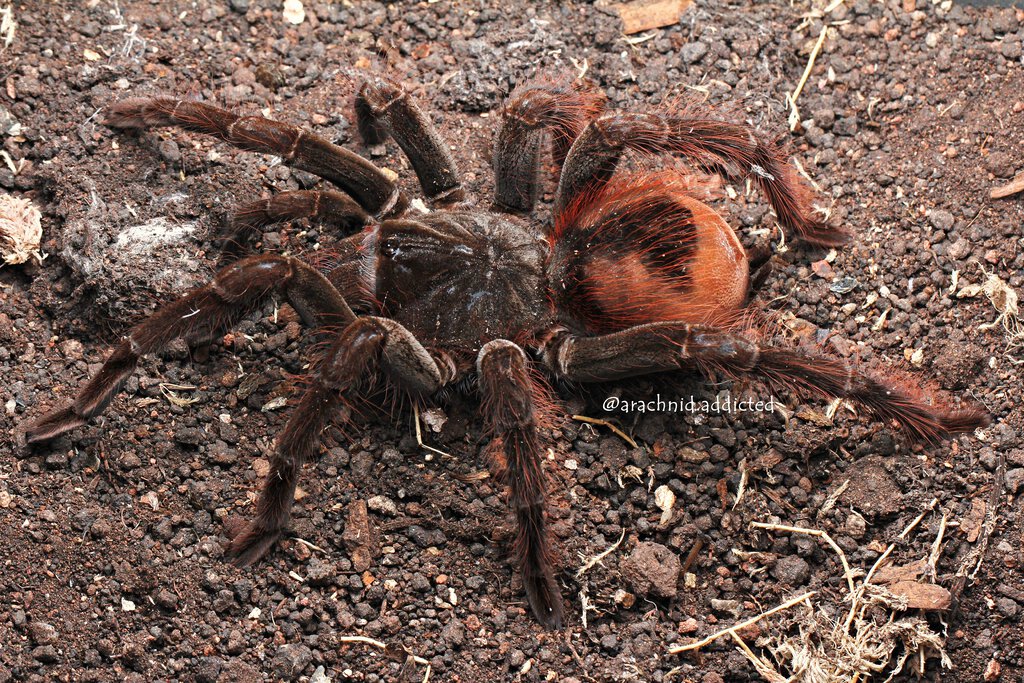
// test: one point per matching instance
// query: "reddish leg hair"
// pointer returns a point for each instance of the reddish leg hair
(735, 150)
(533, 110)
(383, 109)
(200, 315)
(510, 408)
(669, 346)
(327, 207)
(366, 183)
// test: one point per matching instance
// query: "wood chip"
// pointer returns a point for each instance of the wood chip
(906, 572)
(922, 595)
(643, 15)
(359, 536)
(1013, 187)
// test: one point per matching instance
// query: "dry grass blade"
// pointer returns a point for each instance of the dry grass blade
(871, 639)
(794, 113)
(170, 392)
(419, 435)
(8, 26)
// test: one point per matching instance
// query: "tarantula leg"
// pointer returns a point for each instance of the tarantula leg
(299, 149)
(200, 314)
(366, 345)
(509, 409)
(760, 265)
(533, 110)
(248, 220)
(669, 346)
(383, 108)
(727, 148)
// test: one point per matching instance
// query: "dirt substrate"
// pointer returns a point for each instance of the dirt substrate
(112, 539)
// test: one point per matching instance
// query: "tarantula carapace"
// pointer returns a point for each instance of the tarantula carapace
(634, 275)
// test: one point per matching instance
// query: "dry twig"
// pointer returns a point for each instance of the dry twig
(847, 574)
(388, 650)
(596, 559)
(1011, 188)
(739, 627)
(605, 423)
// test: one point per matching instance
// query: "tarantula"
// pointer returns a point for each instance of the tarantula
(634, 275)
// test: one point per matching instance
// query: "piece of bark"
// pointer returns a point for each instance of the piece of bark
(922, 595)
(642, 15)
(359, 536)
(894, 574)
(974, 520)
(1013, 187)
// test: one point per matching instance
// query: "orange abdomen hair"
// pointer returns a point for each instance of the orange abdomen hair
(646, 250)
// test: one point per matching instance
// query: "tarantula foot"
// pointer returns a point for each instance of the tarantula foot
(249, 542)
(963, 421)
(135, 112)
(51, 425)
(545, 600)
(820, 233)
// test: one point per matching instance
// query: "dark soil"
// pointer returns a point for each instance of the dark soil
(112, 539)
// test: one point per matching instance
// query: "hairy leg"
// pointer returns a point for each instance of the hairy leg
(327, 207)
(670, 346)
(532, 111)
(383, 109)
(510, 411)
(728, 148)
(200, 314)
(367, 345)
(366, 183)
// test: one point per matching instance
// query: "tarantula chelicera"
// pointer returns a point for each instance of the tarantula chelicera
(634, 275)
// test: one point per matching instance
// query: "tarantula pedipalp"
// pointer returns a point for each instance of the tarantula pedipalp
(634, 276)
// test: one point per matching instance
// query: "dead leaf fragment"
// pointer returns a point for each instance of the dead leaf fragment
(624, 598)
(434, 419)
(90, 55)
(359, 536)
(642, 15)
(21, 230)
